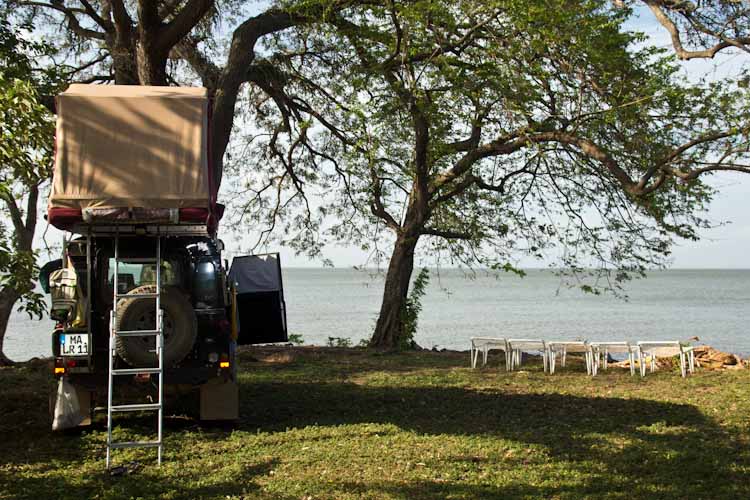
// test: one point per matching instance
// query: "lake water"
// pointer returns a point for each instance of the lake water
(713, 305)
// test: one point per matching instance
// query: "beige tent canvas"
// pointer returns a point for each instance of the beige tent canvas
(131, 147)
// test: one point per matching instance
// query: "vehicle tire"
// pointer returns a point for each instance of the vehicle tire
(180, 327)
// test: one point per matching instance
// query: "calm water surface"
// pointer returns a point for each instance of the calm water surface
(713, 305)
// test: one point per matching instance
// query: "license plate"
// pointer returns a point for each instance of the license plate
(74, 344)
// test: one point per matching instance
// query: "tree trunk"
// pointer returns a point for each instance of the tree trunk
(8, 299)
(389, 329)
(152, 65)
(125, 68)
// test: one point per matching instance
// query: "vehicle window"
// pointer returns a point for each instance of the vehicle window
(205, 285)
(132, 275)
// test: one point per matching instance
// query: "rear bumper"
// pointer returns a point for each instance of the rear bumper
(180, 375)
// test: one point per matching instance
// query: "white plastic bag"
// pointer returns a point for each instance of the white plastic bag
(67, 409)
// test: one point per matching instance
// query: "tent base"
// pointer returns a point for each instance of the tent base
(220, 400)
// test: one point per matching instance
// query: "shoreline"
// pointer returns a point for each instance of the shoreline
(707, 357)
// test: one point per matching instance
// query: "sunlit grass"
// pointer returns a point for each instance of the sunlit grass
(344, 424)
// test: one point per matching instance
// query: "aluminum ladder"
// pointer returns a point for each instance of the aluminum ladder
(115, 332)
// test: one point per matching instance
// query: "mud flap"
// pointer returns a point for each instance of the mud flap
(220, 400)
(72, 407)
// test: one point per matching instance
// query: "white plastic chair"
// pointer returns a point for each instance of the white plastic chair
(601, 351)
(664, 349)
(518, 346)
(485, 345)
(563, 348)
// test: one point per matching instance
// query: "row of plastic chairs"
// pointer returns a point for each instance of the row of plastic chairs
(596, 354)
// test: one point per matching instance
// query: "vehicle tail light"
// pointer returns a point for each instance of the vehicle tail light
(224, 361)
(59, 367)
(71, 363)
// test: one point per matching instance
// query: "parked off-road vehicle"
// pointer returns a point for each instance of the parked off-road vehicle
(141, 295)
(202, 306)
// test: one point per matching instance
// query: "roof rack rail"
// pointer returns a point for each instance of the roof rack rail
(142, 229)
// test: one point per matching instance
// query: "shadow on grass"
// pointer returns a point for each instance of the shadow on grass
(662, 448)
(146, 483)
(614, 447)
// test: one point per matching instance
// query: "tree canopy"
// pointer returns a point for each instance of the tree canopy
(484, 130)
(493, 130)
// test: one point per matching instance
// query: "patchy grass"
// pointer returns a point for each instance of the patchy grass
(347, 423)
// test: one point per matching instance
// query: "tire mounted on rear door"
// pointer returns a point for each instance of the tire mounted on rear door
(180, 326)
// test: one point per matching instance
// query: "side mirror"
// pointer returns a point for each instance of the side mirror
(46, 270)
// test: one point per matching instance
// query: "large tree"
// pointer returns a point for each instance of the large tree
(465, 124)
(493, 130)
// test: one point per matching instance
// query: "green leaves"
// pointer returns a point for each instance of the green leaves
(26, 153)
(411, 309)
(506, 129)
(26, 132)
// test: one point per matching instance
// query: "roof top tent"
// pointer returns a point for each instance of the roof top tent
(132, 155)
(260, 299)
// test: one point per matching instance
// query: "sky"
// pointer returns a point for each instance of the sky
(725, 246)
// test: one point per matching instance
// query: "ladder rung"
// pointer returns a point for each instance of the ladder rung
(135, 371)
(136, 333)
(136, 295)
(137, 407)
(136, 444)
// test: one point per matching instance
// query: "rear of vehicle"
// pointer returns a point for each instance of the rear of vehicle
(132, 175)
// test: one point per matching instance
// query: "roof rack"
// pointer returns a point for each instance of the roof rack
(142, 229)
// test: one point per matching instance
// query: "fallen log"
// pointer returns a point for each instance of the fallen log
(706, 357)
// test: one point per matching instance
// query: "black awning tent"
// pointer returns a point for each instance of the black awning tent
(261, 309)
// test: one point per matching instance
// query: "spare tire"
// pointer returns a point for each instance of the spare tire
(180, 327)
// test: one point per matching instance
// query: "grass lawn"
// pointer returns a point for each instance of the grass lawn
(343, 424)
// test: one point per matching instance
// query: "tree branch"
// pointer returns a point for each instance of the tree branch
(657, 9)
(123, 22)
(105, 24)
(676, 153)
(518, 140)
(70, 15)
(688, 175)
(209, 73)
(469, 143)
(183, 22)
(148, 15)
(31, 214)
(447, 234)
(16, 216)
(241, 56)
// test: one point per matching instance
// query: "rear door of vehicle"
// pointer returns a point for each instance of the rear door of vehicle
(261, 308)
